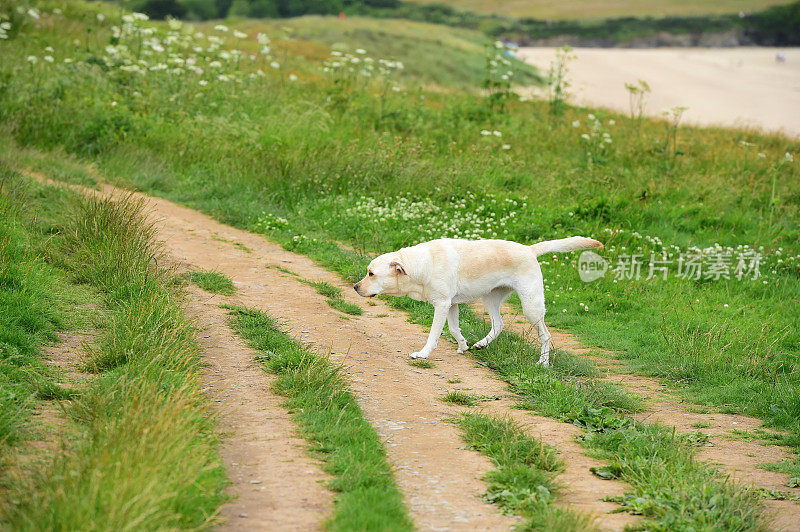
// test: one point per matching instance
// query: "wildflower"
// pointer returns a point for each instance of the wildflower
(592, 117)
(485, 132)
(56, 11)
(100, 17)
(265, 50)
(275, 64)
(789, 157)
(564, 311)
(220, 27)
(239, 34)
(33, 13)
(202, 83)
(506, 146)
(725, 305)
(113, 104)
(262, 38)
(612, 122)
(585, 136)
(761, 155)
(32, 59)
(48, 58)
(497, 133)
(292, 77)
(223, 77)
(576, 123)
(360, 51)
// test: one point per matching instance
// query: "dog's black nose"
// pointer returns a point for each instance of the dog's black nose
(355, 287)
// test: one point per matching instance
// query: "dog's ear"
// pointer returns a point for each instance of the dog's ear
(398, 267)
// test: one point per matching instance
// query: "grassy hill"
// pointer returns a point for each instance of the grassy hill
(593, 9)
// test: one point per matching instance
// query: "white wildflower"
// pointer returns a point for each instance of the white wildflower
(360, 51)
(32, 59)
(576, 123)
(497, 133)
(239, 34)
(485, 132)
(100, 17)
(48, 58)
(292, 77)
(789, 157)
(506, 146)
(220, 27)
(275, 64)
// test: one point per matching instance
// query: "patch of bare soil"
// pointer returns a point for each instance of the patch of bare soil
(440, 478)
(736, 457)
(275, 485)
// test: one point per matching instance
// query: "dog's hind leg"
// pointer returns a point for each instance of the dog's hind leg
(455, 329)
(533, 308)
(492, 302)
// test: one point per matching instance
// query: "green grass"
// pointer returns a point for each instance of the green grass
(701, 425)
(334, 298)
(140, 449)
(462, 398)
(431, 54)
(329, 416)
(523, 482)
(35, 297)
(421, 363)
(211, 281)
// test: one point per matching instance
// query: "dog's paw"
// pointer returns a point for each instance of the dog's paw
(477, 346)
(418, 354)
(463, 348)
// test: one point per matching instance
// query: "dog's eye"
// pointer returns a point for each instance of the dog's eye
(371, 274)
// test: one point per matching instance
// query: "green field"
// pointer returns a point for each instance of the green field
(323, 148)
(593, 9)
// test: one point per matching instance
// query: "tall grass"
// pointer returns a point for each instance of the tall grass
(142, 452)
(321, 402)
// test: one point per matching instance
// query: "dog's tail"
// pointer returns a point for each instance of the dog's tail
(563, 245)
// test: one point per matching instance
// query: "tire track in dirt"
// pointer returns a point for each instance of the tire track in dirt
(438, 476)
(736, 457)
(275, 485)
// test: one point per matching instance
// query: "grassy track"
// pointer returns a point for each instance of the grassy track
(339, 157)
(140, 451)
(329, 416)
(523, 482)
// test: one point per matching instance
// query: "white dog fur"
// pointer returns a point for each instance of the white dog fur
(447, 272)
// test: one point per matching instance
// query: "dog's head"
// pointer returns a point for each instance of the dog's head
(385, 275)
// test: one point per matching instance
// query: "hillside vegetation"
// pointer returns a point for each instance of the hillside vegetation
(590, 9)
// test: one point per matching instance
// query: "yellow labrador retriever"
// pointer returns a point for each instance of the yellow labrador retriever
(448, 271)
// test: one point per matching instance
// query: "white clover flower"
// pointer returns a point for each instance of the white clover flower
(48, 49)
(505, 147)
(100, 17)
(113, 104)
(576, 123)
(239, 34)
(32, 59)
(360, 51)
(497, 133)
(202, 83)
(292, 77)
(48, 58)
(220, 27)
(592, 117)
(485, 132)
(612, 122)
(275, 64)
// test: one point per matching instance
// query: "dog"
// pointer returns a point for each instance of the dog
(448, 272)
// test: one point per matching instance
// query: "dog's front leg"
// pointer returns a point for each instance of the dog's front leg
(439, 317)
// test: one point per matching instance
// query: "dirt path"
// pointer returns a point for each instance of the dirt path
(438, 476)
(275, 484)
(739, 458)
(720, 86)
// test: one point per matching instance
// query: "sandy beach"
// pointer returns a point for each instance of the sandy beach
(740, 87)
